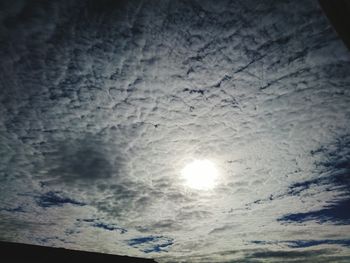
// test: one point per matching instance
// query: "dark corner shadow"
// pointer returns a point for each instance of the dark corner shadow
(15, 252)
(338, 12)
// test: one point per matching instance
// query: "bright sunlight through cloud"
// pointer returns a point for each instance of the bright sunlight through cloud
(200, 174)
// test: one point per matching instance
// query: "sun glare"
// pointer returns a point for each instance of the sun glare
(200, 174)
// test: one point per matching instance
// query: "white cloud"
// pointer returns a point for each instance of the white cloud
(107, 105)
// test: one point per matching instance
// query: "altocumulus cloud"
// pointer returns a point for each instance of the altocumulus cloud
(102, 104)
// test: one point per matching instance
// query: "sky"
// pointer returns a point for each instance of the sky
(103, 103)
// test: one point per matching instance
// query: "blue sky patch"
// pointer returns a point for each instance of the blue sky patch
(310, 243)
(151, 243)
(96, 222)
(337, 213)
(109, 227)
(336, 166)
(50, 199)
(12, 210)
(305, 243)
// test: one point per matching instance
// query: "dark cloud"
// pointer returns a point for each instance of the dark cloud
(312, 256)
(81, 161)
(105, 7)
(11, 210)
(283, 254)
(118, 200)
(260, 255)
(161, 225)
(50, 241)
(103, 102)
(14, 228)
(51, 199)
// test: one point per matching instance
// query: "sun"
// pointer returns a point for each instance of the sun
(200, 174)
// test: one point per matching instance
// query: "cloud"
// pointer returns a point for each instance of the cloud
(81, 161)
(305, 243)
(262, 255)
(321, 255)
(102, 104)
(287, 254)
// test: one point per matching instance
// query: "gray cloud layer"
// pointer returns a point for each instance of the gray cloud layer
(102, 103)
